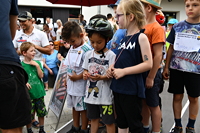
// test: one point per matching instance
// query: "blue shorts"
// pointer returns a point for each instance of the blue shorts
(14, 97)
(152, 94)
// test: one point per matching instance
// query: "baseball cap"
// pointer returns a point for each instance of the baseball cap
(172, 21)
(25, 15)
(116, 4)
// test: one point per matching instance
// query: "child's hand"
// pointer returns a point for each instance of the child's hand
(28, 86)
(149, 83)
(85, 75)
(109, 73)
(95, 77)
(73, 77)
(33, 63)
(165, 74)
(117, 73)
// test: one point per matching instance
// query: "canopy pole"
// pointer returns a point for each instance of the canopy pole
(99, 10)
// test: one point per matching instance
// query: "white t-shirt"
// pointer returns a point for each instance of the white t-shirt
(98, 92)
(37, 37)
(74, 61)
(51, 26)
(52, 32)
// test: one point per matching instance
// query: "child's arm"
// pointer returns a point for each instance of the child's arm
(75, 77)
(157, 50)
(39, 70)
(142, 67)
(98, 77)
(168, 58)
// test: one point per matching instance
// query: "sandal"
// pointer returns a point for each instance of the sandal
(35, 124)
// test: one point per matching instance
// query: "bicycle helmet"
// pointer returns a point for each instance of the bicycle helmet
(101, 26)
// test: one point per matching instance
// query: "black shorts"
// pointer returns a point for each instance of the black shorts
(128, 109)
(104, 111)
(152, 94)
(15, 101)
(179, 79)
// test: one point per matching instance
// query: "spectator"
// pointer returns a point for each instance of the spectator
(14, 98)
(34, 24)
(51, 35)
(48, 21)
(50, 65)
(39, 39)
(109, 18)
(59, 30)
(63, 50)
(81, 19)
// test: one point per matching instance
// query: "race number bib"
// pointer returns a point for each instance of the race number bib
(187, 42)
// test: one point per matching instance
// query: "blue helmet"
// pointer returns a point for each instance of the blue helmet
(172, 21)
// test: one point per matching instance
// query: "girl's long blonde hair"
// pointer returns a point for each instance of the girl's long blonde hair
(136, 8)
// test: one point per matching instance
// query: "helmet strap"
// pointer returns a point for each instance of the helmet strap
(101, 52)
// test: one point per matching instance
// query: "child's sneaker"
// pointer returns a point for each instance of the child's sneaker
(73, 130)
(177, 130)
(190, 130)
(29, 131)
(42, 131)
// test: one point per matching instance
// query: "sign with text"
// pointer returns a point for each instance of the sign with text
(59, 91)
(187, 42)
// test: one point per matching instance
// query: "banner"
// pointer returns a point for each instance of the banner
(59, 91)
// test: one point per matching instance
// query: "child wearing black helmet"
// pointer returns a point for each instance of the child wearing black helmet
(98, 96)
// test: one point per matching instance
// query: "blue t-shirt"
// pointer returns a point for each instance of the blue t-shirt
(130, 56)
(51, 60)
(181, 60)
(7, 50)
(113, 44)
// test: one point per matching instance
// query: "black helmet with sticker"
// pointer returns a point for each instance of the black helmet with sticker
(100, 25)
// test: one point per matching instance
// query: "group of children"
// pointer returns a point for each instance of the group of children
(122, 87)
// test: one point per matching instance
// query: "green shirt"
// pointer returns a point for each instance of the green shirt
(37, 87)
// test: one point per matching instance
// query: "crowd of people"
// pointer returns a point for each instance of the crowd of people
(115, 68)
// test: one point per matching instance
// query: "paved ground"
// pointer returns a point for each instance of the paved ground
(50, 121)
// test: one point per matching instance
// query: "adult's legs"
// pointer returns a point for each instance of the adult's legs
(45, 78)
(55, 71)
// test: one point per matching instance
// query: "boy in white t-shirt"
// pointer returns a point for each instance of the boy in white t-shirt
(73, 34)
(99, 97)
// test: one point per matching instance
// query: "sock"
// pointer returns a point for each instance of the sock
(191, 123)
(84, 131)
(146, 128)
(76, 128)
(29, 129)
(178, 122)
(41, 127)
